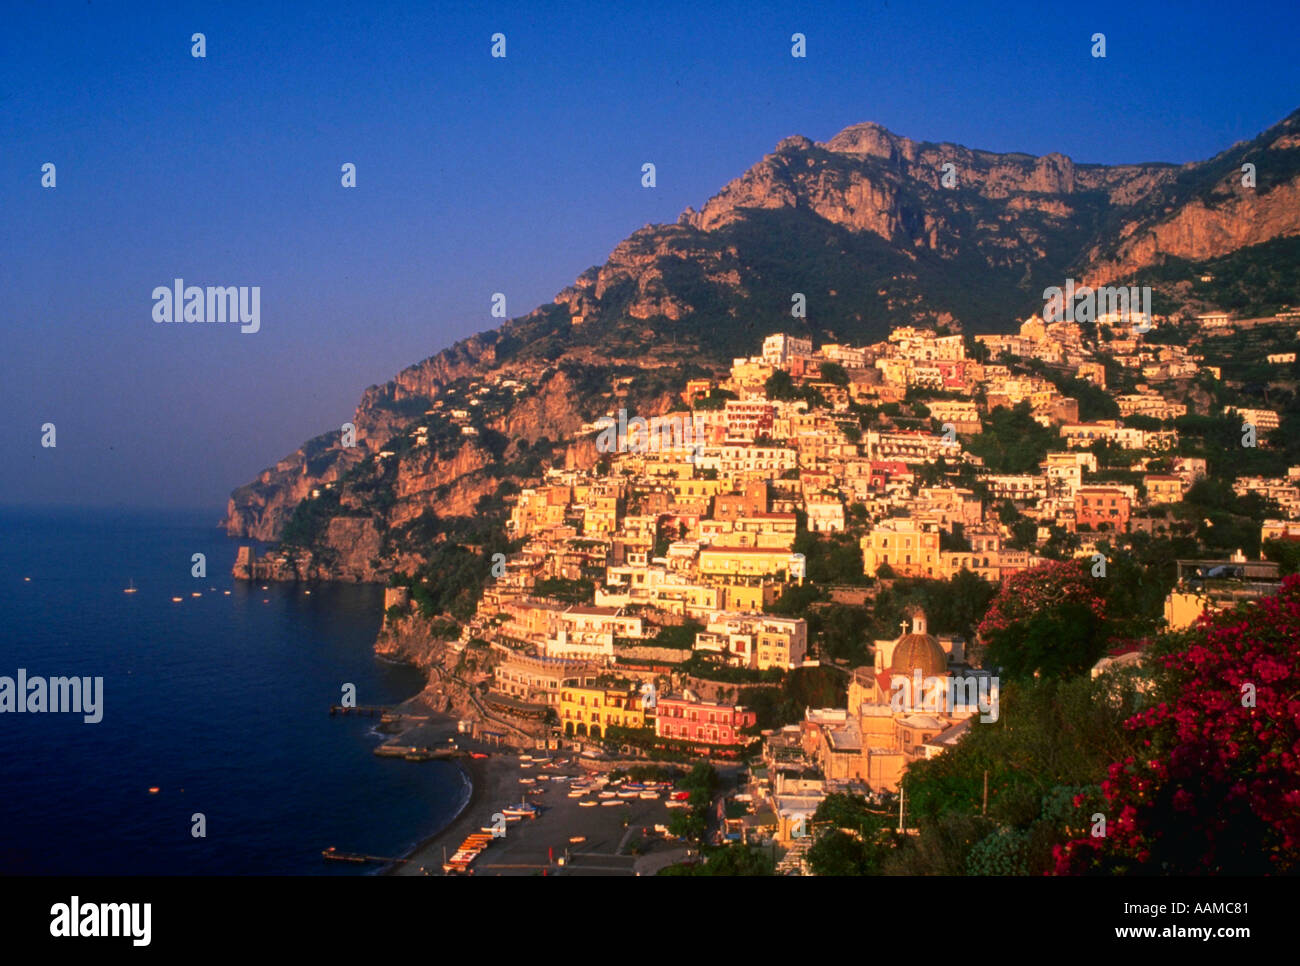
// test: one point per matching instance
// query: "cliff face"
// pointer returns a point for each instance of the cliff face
(862, 224)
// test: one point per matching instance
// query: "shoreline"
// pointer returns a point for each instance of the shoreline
(493, 784)
(489, 779)
(475, 793)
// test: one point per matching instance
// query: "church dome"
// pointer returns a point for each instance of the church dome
(919, 651)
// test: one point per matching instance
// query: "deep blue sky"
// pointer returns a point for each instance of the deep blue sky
(475, 175)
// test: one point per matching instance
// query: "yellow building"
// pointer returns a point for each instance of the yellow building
(591, 711)
(686, 490)
(1162, 488)
(907, 546)
(751, 562)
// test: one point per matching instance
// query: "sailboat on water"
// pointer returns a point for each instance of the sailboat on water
(130, 587)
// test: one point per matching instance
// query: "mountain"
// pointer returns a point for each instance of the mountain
(869, 226)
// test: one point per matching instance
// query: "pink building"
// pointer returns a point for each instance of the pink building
(701, 721)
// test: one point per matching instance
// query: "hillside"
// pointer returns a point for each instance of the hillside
(862, 225)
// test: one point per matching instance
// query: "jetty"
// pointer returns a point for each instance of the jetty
(365, 710)
(415, 753)
(332, 854)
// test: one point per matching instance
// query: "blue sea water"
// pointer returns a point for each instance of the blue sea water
(219, 701)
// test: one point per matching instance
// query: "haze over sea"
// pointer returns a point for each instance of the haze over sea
(219, 701)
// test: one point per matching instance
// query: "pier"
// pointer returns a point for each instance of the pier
(334, 855)
(413, 753)
(365, 710)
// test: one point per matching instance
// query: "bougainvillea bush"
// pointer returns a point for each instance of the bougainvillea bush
(1215, 786)
(1050, 620)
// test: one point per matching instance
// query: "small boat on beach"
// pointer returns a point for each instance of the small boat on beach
(649, 795)
(521, 810)
(587, 804)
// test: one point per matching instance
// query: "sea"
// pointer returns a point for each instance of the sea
(215, 709)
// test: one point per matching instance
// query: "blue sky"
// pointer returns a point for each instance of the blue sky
(475, 175)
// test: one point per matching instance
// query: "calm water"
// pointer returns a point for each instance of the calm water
(220, 701)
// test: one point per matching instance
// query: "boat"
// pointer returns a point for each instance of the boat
(130, 587)
(576, 793)
(649, 795)
(587, 804)
(521, 810)
(613, 801)
(608, 794)
(528, 781)
(628, 794)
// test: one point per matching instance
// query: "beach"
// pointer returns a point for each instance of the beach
(545, 845)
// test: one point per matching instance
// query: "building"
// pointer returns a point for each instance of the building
(1164, 488)
(701, 722)
(908, 547)
(591, 711)
(586, 632)
(756, 641)
(780, 349)
(1102, 508)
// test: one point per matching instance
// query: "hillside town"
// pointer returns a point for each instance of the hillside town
(650, 596)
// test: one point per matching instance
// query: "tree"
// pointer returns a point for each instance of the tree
(1215, 786)
(1050, 619)
(834, 373)
(837, 853)
(1285, 553)
(779, 385)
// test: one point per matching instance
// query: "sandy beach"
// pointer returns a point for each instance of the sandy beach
(544, 845)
